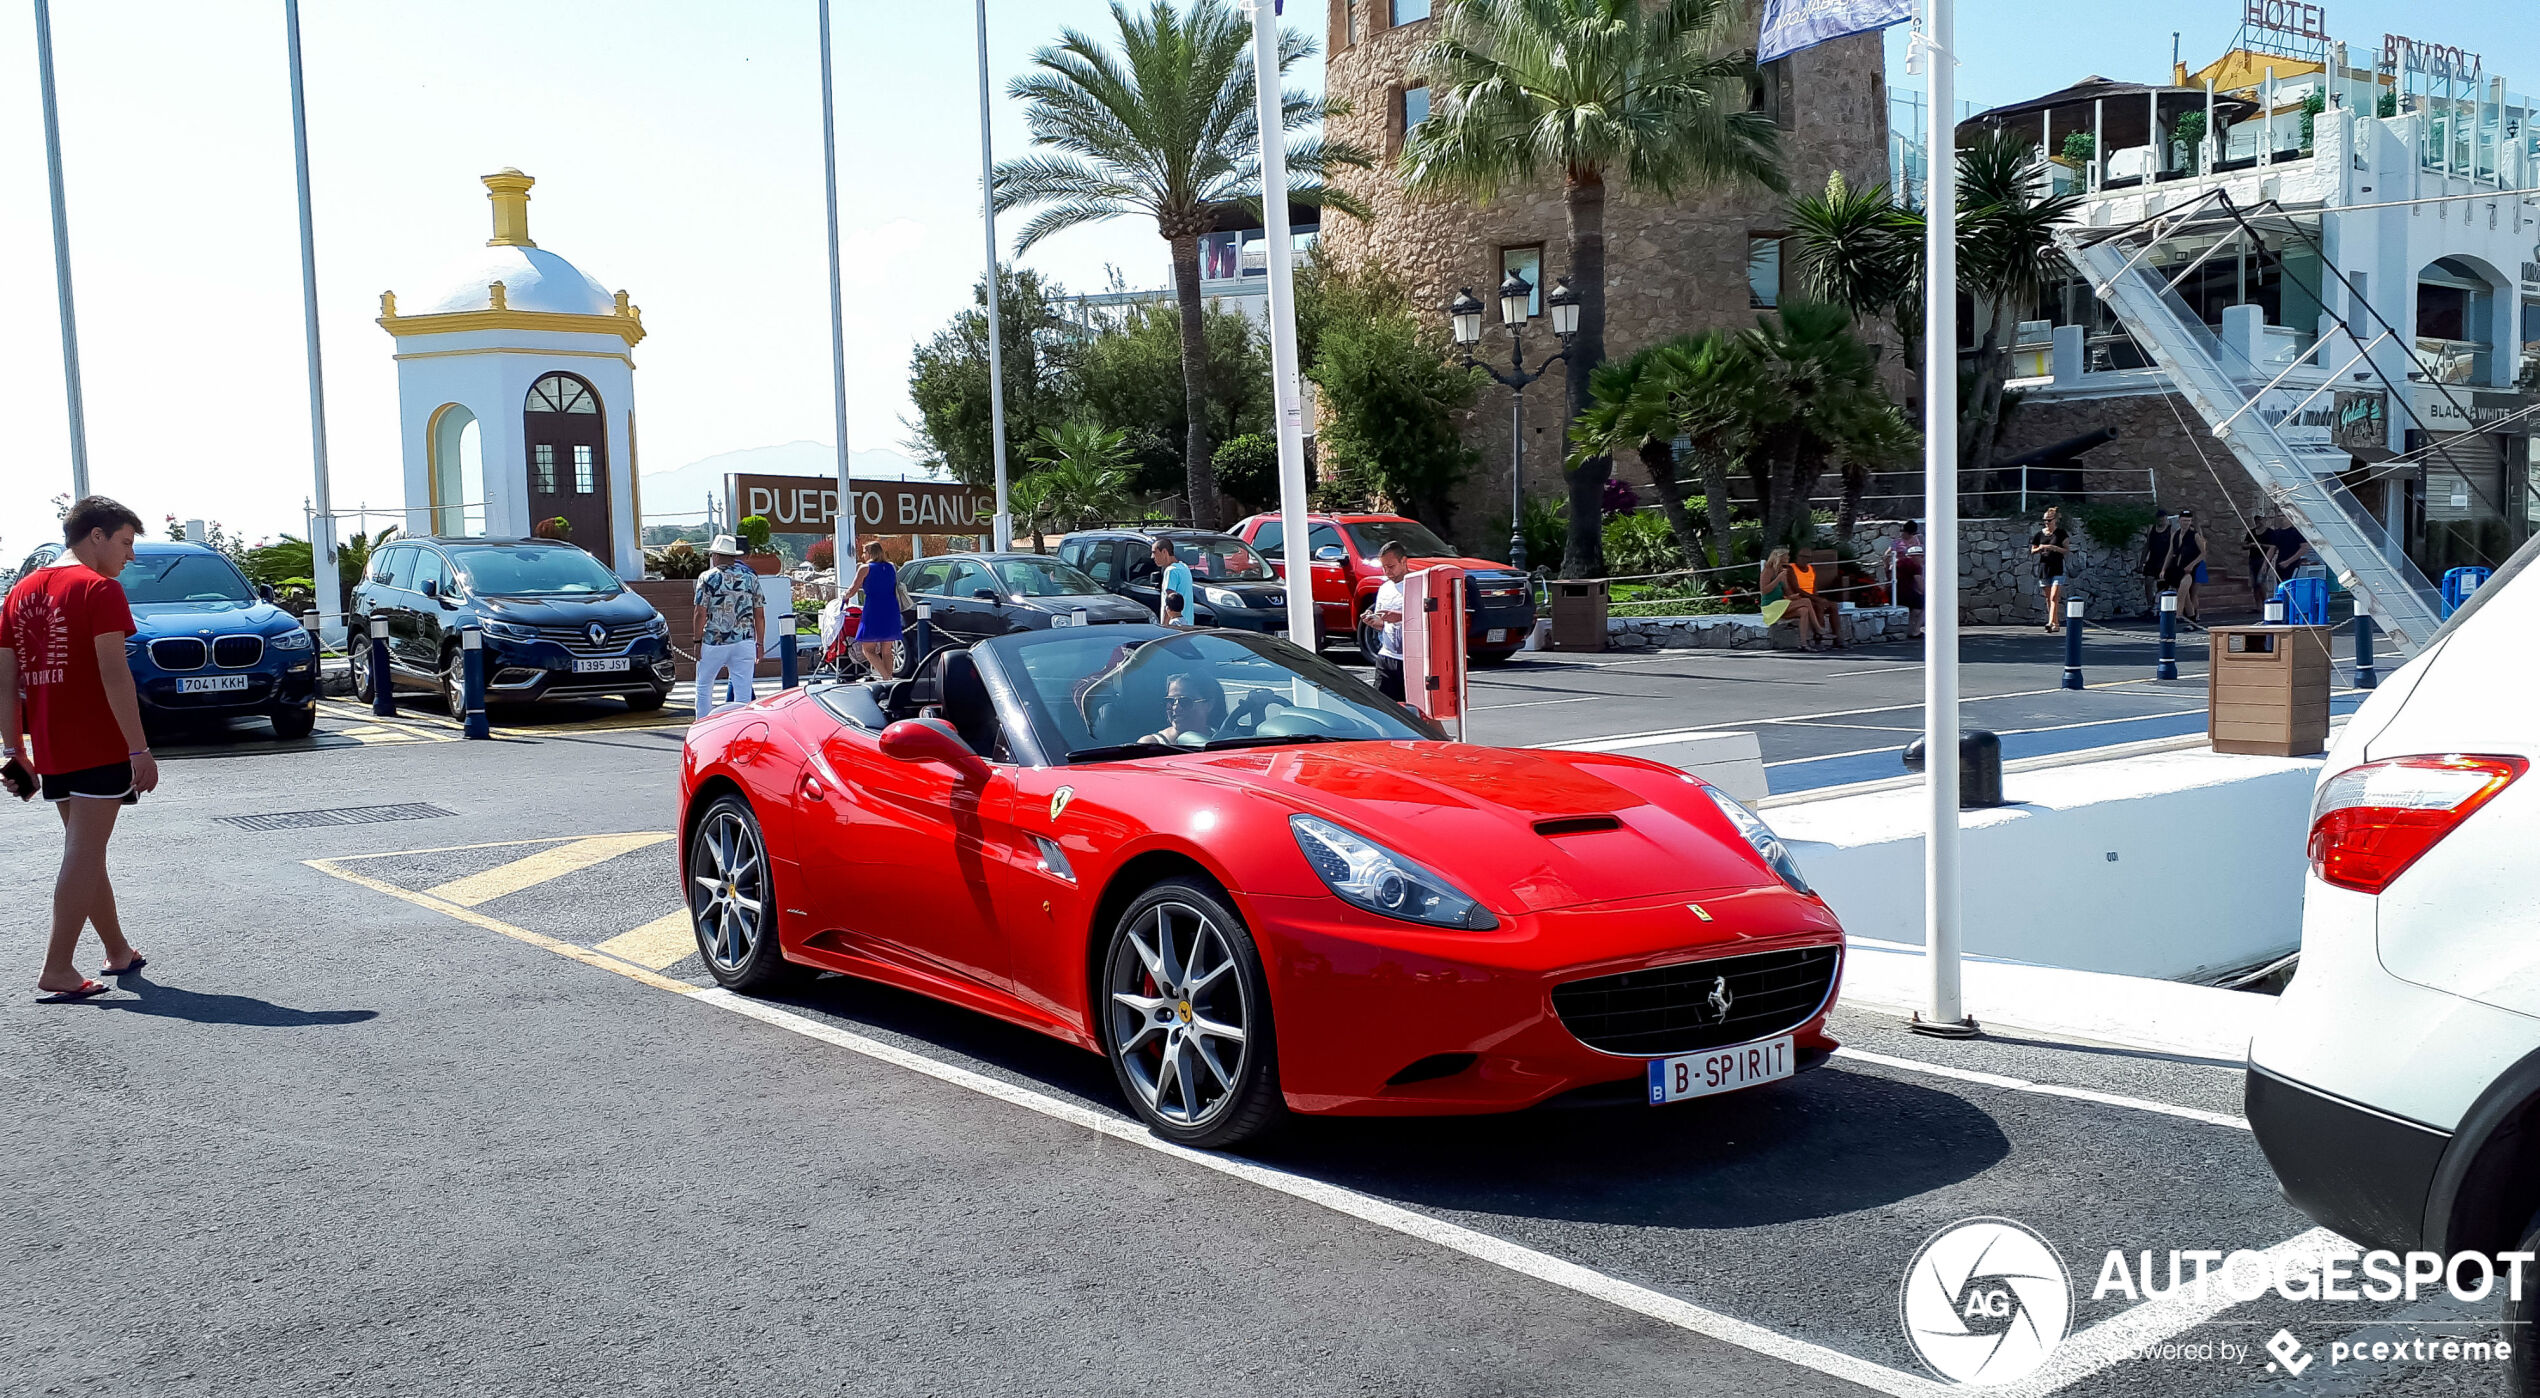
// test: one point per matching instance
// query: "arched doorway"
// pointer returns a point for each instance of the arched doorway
(566, 436)
(457, 475)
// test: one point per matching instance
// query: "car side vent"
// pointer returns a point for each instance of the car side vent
(1577, 825)
(1435, 1066)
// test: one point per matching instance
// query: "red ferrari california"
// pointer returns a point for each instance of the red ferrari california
(1254, 884)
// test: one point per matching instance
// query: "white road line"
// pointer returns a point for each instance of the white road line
(1498, 1252)
(2005, 733)
(1662, 734)
(1882, 670)
(2045, 1089)
(1539, 703)
(2118, 1338)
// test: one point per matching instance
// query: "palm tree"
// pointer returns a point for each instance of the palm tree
(1819, 397)
(1165, 127)
(2006, 255)
(1623, 414)
(1589, 90)
(1864, 253)
(1082, 477)
(1708, 385)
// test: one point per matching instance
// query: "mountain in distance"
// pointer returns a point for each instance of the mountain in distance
(678, 496)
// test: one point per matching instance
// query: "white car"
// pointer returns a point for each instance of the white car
(2396, 1091)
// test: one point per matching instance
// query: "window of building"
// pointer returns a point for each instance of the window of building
(1528, 263)
(561, 393)
(1764, 270)
(1343, 26)
(1768, 91)
(582, 470)
(1408, 11)
(542, 467)
(1415, 107)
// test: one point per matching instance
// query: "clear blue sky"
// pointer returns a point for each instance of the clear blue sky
(676, 149)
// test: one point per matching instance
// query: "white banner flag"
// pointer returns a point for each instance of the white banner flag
(1792, 25)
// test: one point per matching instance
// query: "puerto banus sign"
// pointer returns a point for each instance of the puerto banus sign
(809, 505)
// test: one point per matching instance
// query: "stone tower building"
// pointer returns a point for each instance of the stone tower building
(1673, 266)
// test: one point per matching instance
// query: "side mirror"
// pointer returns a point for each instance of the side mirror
(264, 591)
(984, 594)
(932, 740)
(1329, 553)
(431, 588)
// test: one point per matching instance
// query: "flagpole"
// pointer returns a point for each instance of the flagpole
(845, 520)
(61, 251)
(1943, 1012)
(996, 323)
(322, 566)
(1285, 392)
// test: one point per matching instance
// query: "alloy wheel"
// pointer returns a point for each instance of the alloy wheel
(1180, 1017)
(727, 889)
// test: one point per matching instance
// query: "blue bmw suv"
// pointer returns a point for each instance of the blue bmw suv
(211, 646)
(556, 624)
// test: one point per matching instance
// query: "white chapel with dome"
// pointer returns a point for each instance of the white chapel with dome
(516, 394)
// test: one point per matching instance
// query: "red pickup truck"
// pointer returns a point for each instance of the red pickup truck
(1497, 599)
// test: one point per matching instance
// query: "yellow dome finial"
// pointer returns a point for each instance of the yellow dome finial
(509, 189)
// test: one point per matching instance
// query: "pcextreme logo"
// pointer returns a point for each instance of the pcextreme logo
(1986, 1301)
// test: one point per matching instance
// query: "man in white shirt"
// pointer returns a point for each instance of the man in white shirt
(1386, 613)
(731, 626)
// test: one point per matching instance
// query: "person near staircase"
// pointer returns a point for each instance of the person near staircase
(2156, 560)
(2186, 571)
(2047, 549)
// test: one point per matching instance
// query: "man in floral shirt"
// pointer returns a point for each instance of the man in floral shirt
(731, 626)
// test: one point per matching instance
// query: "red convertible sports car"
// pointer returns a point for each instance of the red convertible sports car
(1254, 884)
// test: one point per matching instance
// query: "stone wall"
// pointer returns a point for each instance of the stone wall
(1673, 265)
(1743, 631)
(1997, 583)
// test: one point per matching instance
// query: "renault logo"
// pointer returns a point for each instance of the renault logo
(598, 633)
(1721, 999)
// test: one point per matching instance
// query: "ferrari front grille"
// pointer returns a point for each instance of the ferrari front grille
(1695, 1005)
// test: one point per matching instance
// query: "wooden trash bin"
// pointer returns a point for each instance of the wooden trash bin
(2267, 690)
(1579, 610)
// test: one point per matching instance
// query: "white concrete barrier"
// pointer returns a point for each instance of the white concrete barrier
(2181, 866)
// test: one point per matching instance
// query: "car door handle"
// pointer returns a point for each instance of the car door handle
(813, 790)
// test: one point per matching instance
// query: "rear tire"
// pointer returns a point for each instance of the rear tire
(732, 901)
(290, 724)
(357, 658)
(1183, 991)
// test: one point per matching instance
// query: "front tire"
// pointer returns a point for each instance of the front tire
(454, 683)
(294, 723)
(1185, 1017)
(646, 700)
(357, 657)
(732, 900)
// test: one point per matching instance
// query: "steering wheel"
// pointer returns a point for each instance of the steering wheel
(1298, 723)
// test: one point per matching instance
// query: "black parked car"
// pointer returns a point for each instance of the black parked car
(1233, 585)
(557, 625)
(973, 596)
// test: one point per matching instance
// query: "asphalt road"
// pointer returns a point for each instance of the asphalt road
(430, 1105)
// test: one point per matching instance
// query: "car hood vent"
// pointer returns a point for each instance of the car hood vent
(1577, 825)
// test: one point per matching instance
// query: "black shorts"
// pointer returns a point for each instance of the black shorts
(112, 782)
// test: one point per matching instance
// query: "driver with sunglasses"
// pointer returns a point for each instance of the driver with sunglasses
(1193, 708)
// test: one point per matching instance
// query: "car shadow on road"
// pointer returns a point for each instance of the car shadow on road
(1745, 1160)
(205, 1007)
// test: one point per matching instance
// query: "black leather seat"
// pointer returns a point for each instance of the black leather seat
(965, 702)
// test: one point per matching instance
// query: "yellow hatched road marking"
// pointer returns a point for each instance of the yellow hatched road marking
(538, 868)
(657, 943)
(519, 934)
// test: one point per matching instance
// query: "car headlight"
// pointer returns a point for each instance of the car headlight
(1776, 855)
(293, 639)
(1365, 874)
(1225, 598)
(657, 626)
(133, 646)
(509, 630)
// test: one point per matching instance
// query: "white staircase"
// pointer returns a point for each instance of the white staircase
(2300, 482)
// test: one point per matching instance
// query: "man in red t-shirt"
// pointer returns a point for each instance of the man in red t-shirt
(64, 685)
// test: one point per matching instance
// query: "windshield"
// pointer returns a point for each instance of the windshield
(183, 577)
(1221, 558)
(532, 570)
(1108, 698)
(1041, 577)
(1415, 538)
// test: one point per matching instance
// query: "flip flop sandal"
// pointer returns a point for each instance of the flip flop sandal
(137, 963)
(87, 989)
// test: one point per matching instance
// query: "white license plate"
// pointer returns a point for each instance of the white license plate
(609, 666)
(1720, 1070)
(211, 684)
(1497, 635)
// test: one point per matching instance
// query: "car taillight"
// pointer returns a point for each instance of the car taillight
(2369, 823)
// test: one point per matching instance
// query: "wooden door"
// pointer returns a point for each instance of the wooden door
(568, 460)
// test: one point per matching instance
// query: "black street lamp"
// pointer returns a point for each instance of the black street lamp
(1516, 296)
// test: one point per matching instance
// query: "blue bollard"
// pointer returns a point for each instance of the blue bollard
(922, 638)
(2167, 668)
(2365, 675)
(2072, 644)
(472, 682)
(383, 681)
(785, 660)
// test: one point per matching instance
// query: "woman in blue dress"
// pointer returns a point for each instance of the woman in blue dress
(877, 632)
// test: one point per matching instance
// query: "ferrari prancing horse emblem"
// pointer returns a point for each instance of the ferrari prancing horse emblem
(1059, 800)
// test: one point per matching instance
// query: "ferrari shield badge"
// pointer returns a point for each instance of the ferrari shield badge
(1059, 800)
(1699, 911)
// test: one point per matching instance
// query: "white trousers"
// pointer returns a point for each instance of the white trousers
(739, 662)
